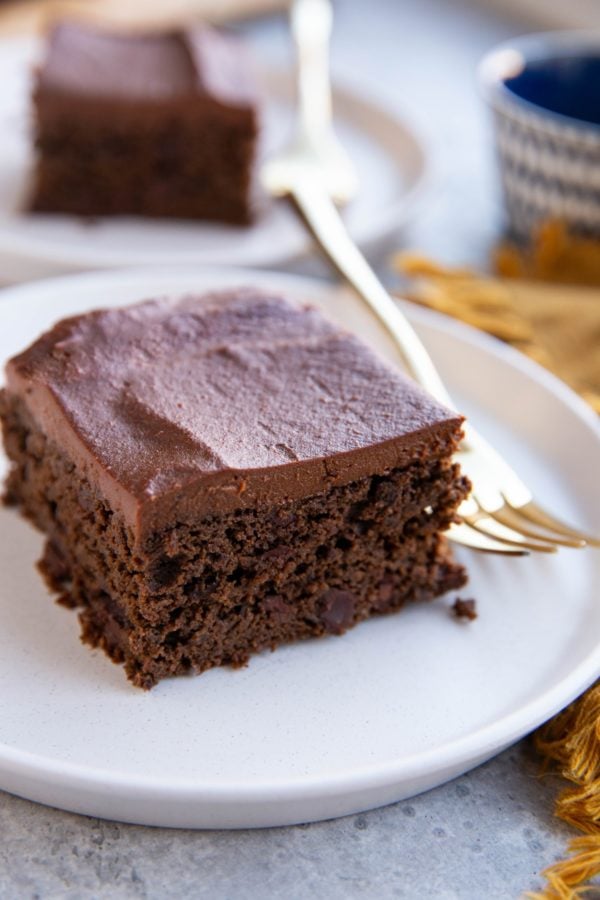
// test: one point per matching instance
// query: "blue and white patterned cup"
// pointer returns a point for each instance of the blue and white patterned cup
(544, 91)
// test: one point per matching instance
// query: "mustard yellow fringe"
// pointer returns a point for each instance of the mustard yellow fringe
(570, 743)
(558, 326)
(566, 878)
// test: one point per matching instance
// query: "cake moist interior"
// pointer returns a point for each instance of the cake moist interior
(193, 597)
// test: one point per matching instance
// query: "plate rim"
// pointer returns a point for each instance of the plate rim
(58, 259)
(462, 751)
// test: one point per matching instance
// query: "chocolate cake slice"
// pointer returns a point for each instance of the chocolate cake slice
(145, 124)
(222, 474)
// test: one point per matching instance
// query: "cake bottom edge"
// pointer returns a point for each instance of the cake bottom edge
(425, 572)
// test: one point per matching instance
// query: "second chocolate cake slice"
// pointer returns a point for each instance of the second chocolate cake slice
(218, 475)
(161, 125)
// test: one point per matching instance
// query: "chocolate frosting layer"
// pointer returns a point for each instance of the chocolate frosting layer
(178, 408)
(89, 62)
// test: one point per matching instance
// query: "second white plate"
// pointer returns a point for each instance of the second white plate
(389, 158)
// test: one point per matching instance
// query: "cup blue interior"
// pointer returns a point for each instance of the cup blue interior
(567, 85)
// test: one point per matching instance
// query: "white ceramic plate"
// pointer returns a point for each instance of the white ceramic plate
(388, 156)
(327, 727)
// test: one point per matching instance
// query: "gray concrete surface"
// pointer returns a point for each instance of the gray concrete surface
(482, 837)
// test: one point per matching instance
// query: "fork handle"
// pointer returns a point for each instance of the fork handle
(327, 227)
(311, 22)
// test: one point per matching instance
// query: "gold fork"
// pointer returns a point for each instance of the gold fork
(314, 172)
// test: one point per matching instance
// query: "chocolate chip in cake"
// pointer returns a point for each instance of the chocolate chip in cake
(337, 610)
(277, 608)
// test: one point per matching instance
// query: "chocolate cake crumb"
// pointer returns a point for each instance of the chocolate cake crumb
(464, 609)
